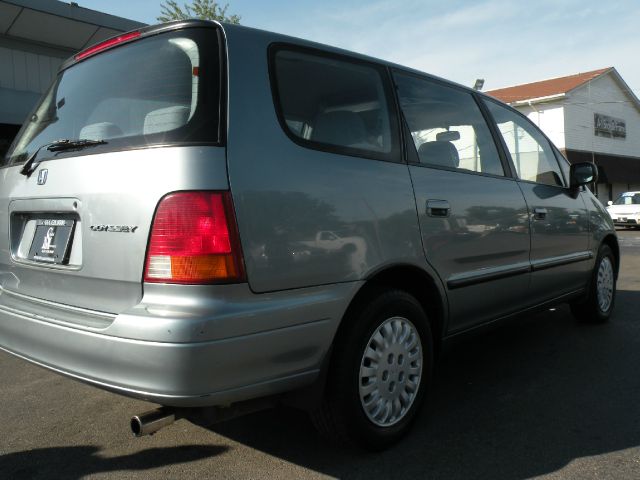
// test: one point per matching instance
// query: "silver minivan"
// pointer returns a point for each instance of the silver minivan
(206, 215)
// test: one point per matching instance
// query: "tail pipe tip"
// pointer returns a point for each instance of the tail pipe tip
(150, 422)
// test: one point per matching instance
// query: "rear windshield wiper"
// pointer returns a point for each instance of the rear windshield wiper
(31, 164)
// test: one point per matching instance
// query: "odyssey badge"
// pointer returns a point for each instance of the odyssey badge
(114, 228)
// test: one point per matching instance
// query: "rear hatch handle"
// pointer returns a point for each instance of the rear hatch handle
(32, 163)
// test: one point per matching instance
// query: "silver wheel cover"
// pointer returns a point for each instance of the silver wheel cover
(604, 284)
(390, 371)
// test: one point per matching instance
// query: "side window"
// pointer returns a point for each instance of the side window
(530, 151)
(447, 126)
(334, 104)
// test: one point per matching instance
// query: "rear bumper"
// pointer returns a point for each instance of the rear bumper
(186, 373)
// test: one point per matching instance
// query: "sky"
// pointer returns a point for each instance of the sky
(505, 42)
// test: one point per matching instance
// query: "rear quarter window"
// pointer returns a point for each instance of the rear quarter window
(333, 103)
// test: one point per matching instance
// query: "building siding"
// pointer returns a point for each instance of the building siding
(550, 119)
(27, 71)
(603, 95)
(25, 74)
(569, 122)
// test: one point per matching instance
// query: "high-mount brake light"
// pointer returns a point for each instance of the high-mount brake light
(107, 44)
(194, 240)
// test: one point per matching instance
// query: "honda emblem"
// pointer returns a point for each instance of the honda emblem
(42, 176)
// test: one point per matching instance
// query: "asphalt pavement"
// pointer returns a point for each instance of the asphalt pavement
(544, 397)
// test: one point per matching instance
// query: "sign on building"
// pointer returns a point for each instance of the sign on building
(610, 127)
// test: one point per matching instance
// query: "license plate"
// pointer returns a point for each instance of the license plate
(51, 241)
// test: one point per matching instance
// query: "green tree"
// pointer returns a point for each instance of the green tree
(203, 9)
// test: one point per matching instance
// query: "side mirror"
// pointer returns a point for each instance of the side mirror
(583, 174)
(609, 203)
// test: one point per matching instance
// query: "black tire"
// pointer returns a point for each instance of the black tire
(341, 416)
(589, 309)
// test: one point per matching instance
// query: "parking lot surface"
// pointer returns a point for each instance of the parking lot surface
(543, 397)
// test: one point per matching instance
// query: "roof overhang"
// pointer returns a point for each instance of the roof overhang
(529, 101)
(613, 168)
(565, 95)
(61, 25)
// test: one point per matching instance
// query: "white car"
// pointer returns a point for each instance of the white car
(625, 211)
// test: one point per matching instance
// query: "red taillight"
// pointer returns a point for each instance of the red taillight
(194, 240)
(107, 44)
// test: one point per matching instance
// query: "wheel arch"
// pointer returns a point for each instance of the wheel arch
(612, 242)
(426, 289)
(414, 280)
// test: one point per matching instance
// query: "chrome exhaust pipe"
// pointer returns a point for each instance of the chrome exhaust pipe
(150, 422)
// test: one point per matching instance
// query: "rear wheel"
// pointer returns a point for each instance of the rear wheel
(381, 364)
(598, 305)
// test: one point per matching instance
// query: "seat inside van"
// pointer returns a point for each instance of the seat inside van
(100, 131)
(166, 119)
(441, 153)
(341, 127)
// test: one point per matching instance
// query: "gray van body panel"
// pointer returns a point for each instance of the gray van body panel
(287, 196)
(560, 255)
(184, 345)
(600, 222)
(118, 188)
(472, 244)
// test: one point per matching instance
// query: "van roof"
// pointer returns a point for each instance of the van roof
(275, 37)
(280, 37)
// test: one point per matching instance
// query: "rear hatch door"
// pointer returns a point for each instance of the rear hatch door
(74, 222)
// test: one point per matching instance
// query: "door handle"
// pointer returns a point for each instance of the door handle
(438, 208)
(539, 213)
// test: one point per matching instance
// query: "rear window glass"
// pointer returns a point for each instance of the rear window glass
(164, 89)
(334, 104)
